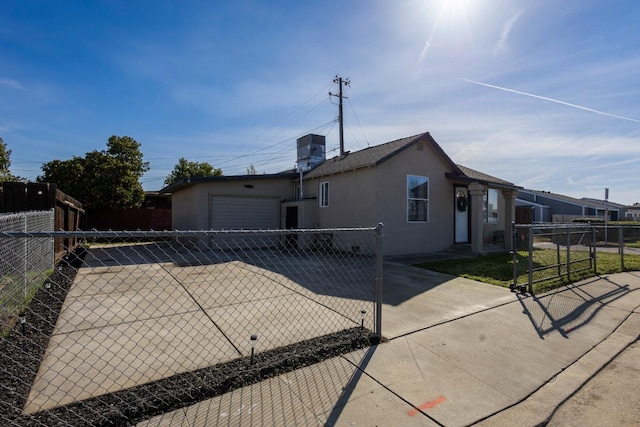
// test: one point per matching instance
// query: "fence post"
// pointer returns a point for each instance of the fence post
(514, 253)
(531, 258)
(379, 264)
(568, 254)
(25, 253)
(558, 260)
(594, 257)
(621, 246)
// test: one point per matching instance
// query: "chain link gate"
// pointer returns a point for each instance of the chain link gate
(141, 322)
(545, 254)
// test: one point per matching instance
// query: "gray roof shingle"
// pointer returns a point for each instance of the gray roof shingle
(483, 177)
(373, 156)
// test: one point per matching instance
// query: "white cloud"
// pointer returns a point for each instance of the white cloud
(11, 83)
(501, 45)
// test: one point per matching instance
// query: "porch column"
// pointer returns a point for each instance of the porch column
(476, 191)
(509, 215)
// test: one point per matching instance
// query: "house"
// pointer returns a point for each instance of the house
(551, 207)
(426, 202)
(632, 213)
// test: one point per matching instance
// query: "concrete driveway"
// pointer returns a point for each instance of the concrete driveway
(136, 314)
(467, 354)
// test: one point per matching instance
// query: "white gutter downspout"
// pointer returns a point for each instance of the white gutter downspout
(301, 195)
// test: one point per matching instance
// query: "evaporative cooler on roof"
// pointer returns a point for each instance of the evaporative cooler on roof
(311, 152)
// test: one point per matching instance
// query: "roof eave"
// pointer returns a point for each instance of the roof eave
(425, 137)
(465, 178)
(187, 182)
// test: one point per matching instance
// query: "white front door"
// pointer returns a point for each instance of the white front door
(461, 215)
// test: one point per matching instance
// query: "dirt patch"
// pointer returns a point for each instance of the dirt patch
(21, 353)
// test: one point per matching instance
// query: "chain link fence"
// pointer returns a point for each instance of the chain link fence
(24, 263)
(137, 323)
(548, 254)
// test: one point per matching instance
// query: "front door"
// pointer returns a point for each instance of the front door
(290, 222)
(461, 217)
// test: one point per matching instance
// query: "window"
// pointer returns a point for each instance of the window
(490, 206)
(417, 198)
(324, 194)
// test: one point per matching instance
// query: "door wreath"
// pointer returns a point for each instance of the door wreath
(462, 203)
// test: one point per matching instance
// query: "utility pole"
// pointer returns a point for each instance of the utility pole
(340, 83)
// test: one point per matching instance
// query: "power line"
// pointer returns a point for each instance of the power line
(359, 124)
(290, 114)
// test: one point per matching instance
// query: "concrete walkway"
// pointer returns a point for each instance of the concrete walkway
(460, 353)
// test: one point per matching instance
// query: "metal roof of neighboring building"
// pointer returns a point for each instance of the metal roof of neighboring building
(591, 203)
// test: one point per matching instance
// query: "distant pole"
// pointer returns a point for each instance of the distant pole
(340, 83)
(606, 216)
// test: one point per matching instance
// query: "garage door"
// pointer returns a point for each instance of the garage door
(247, 213)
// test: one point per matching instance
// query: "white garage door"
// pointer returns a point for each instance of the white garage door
(247, 213)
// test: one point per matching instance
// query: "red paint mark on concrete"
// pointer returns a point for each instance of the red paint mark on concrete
(427, 405)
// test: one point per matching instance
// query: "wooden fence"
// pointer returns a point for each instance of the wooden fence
(158, 219)
(69, 213)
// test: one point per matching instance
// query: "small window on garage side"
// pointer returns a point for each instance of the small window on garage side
(417, 198)
(324, 194)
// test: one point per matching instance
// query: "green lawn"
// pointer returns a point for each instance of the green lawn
(14, 299)
(498, 269)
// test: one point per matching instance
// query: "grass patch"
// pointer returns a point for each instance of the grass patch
(15, 296)
(498, 269)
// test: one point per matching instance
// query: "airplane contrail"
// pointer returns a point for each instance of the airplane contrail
(557, 101)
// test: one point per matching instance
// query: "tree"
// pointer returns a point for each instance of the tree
(102, 179)
(251, 170)
(185, 169)
(5, 163)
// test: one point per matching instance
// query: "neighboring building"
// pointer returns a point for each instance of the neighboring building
(155, 200)
(551, 207)
(425, 201)
(632, 213)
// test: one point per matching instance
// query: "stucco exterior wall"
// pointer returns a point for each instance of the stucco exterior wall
(351, 199)
(184, 209)
(191, 210)
(401, 236)
(307, 211)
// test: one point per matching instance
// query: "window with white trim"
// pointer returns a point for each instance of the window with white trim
(490, 206)
(324, 194)
(417, 198)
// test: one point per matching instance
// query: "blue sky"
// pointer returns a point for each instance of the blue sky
(541, 93)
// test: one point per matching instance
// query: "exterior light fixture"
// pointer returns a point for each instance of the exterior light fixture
(22, 319)
(254, 338)
(362, 313)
